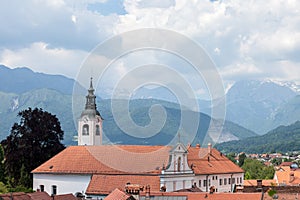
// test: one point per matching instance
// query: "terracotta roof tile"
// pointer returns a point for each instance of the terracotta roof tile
(105, 184)
(130, 159)
(15, 196)
(117, 159)
(285, 196)
(264, 182)
(117, 195)
(288, 176)
(226, 196)
(210, 163)
(39, 196)
(207, 196)
(65, 197)
(286, 164)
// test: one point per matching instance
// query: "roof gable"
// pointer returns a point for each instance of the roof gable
(204, 162)
(179, 148)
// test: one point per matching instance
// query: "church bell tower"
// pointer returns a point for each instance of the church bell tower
(90, 121)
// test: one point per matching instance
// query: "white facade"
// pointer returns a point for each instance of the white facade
(220, 182)
(64, 183)
(177, 175)
(90, 130)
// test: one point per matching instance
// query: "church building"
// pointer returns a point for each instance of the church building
(95, 170)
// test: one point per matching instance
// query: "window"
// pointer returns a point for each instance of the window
(208, 182)
(225, 181)
(54, 189)
(85, 129)
(178, 164)
(229, 179)
(221, 181)
(199, 183)
(204, 183)
(213, 177)
(42, 188)
(233, 180)
(240, 180)
(97, 130)
(237, 180)
(216, 177)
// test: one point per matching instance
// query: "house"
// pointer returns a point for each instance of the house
(96, 170)
(288, 173)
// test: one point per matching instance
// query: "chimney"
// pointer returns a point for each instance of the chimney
(292, 177)
(134, 190)
(259, 184)
(188, 145)
(209, 148)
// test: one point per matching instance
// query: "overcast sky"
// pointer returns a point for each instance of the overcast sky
(245, 39)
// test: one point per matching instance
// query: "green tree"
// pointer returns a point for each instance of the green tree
(2, 168)
(34, 140)
(247, 176)
(255, 169)
(3, 188)
(231, 156)
(242, 158)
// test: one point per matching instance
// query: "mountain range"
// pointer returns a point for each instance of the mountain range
(252, 107)
(281, 139)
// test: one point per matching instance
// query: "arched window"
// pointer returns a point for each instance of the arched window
(97, 130)
(179, 164)
(85, 129)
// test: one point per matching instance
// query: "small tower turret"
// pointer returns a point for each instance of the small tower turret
(90, 122)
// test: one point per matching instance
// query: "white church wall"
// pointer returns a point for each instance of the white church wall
(66, 183)
(176, 182)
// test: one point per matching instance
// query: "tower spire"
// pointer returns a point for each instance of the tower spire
(90, 105)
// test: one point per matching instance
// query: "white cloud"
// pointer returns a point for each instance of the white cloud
(41, 58)
(245, 39)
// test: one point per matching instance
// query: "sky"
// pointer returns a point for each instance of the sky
(245, 39)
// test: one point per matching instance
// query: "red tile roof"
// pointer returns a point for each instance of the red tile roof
(15, 196)
(39, 196)
(36, 196)
(129, 159)
(117, 159)
(285, 196)
(105, 184)
(207, 196)
(117, 195)
(264, 182)
(210, 163)
(286, 164)
(226, 196)
(286, 175)
(65, 197)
